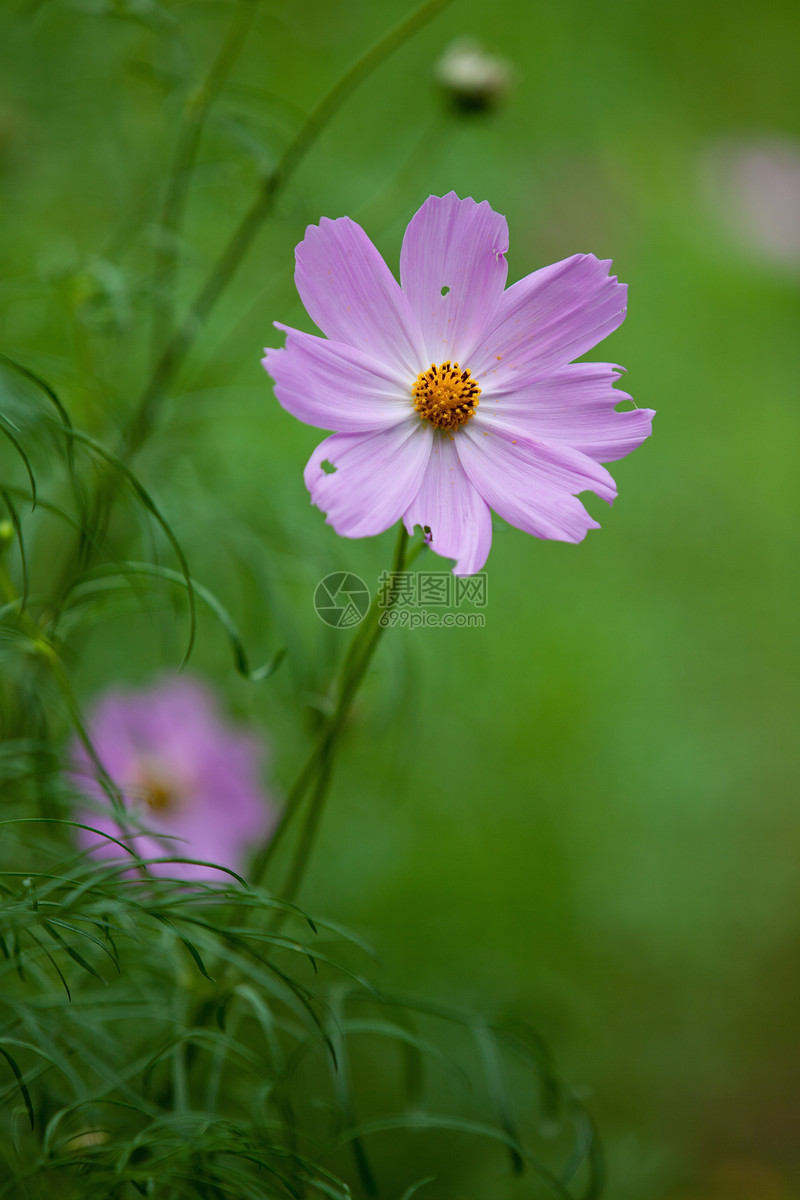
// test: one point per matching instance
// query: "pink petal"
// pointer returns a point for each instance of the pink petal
(529, 485)
(447, 504)
(459, 246)
(377, 476)
(334, 386)
(351, 294)
(576, 405)
(546, 320)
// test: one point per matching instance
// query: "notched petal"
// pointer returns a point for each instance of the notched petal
(453, 270)
(454, 517)
(375, 478)
(529, 488)
(547, 319)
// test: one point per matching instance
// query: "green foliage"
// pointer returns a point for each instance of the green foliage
(206, 1039)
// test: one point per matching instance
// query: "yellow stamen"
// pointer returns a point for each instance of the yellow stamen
(158, 795)
(446, 396)
(154, 787)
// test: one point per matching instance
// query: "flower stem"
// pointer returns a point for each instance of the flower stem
(318, 769)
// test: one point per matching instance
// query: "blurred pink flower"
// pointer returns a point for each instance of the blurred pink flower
(451, 396)
(188, 778)
(752, 185)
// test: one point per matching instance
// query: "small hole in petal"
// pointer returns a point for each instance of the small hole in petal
(327, 467)
(445, 290)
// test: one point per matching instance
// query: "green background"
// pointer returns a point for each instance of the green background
(584, 815)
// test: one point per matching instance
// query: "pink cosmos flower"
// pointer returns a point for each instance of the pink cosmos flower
(450, 396)
(187, 778)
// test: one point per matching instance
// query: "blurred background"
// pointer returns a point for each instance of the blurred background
(585, 815)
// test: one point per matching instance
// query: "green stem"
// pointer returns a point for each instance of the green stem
(187, 143)
(196, 109)
(243, 236)
(319, 767)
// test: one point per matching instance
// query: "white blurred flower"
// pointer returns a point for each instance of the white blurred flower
(473, 79)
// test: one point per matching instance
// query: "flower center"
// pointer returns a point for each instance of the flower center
(445, 395)
(155, 786)
(158, 795)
